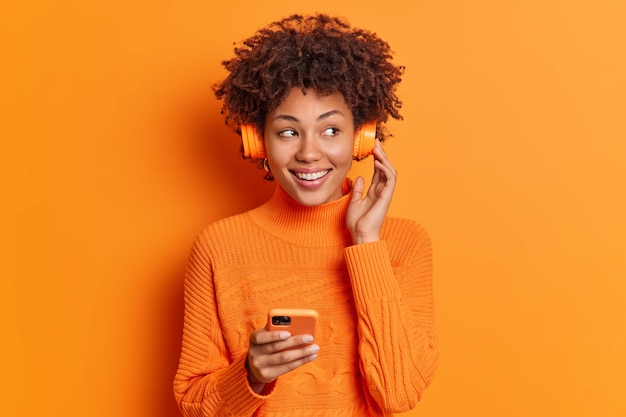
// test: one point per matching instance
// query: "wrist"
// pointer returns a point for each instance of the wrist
(256, 385)
(368, 238)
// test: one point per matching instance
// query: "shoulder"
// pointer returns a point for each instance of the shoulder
(225, 232)
(398, 228)
(228, 224)
(405, 234)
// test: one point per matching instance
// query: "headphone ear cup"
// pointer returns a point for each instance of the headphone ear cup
(253, 146)
(364, 140)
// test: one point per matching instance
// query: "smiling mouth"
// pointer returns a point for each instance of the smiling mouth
(310, 176)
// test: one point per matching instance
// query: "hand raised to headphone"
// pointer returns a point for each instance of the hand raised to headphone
(366, 214)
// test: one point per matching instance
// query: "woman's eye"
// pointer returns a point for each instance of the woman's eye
(331, 131)
(288, 133)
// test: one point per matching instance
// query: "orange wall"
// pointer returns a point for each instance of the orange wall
(512, 154)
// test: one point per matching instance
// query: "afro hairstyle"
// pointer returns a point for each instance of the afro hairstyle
(316, 52)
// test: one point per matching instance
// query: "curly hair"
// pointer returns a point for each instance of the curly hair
(317, 52)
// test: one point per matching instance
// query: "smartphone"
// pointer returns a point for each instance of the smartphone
(294, 320)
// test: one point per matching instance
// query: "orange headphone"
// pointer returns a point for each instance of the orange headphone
(364, 140)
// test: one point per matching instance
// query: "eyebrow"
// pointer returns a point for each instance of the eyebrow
(320, 117)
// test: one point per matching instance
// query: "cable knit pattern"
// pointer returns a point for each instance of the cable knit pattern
(378, 348)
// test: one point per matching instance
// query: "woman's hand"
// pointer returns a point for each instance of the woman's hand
(365, 215)
(272, 354)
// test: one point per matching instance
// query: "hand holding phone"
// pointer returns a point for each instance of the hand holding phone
(286, 343)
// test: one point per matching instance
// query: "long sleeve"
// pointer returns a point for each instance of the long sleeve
(208, 381)
(392, 286)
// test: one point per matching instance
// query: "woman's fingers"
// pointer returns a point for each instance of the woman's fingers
(272, 354)
(285, 358)
(271, 342)
(357, 189)
(267, 373)
(383, 164)
(263, 337)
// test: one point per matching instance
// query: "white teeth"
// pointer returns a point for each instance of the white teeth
(311, 176)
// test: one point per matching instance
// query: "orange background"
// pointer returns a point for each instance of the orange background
(512, 154)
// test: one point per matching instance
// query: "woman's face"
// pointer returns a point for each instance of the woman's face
(309, 140)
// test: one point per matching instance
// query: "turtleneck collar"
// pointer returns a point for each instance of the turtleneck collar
(323, 225)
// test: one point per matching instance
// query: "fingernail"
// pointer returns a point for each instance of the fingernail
(314, 348)
(307, 338)
(285, 335)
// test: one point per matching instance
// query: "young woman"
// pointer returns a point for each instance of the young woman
(304, 88)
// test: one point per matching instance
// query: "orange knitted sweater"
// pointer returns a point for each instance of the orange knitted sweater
(378, 348)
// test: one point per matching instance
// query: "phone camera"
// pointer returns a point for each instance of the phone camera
(281, 320)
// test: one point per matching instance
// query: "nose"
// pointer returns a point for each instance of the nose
(309, 149)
